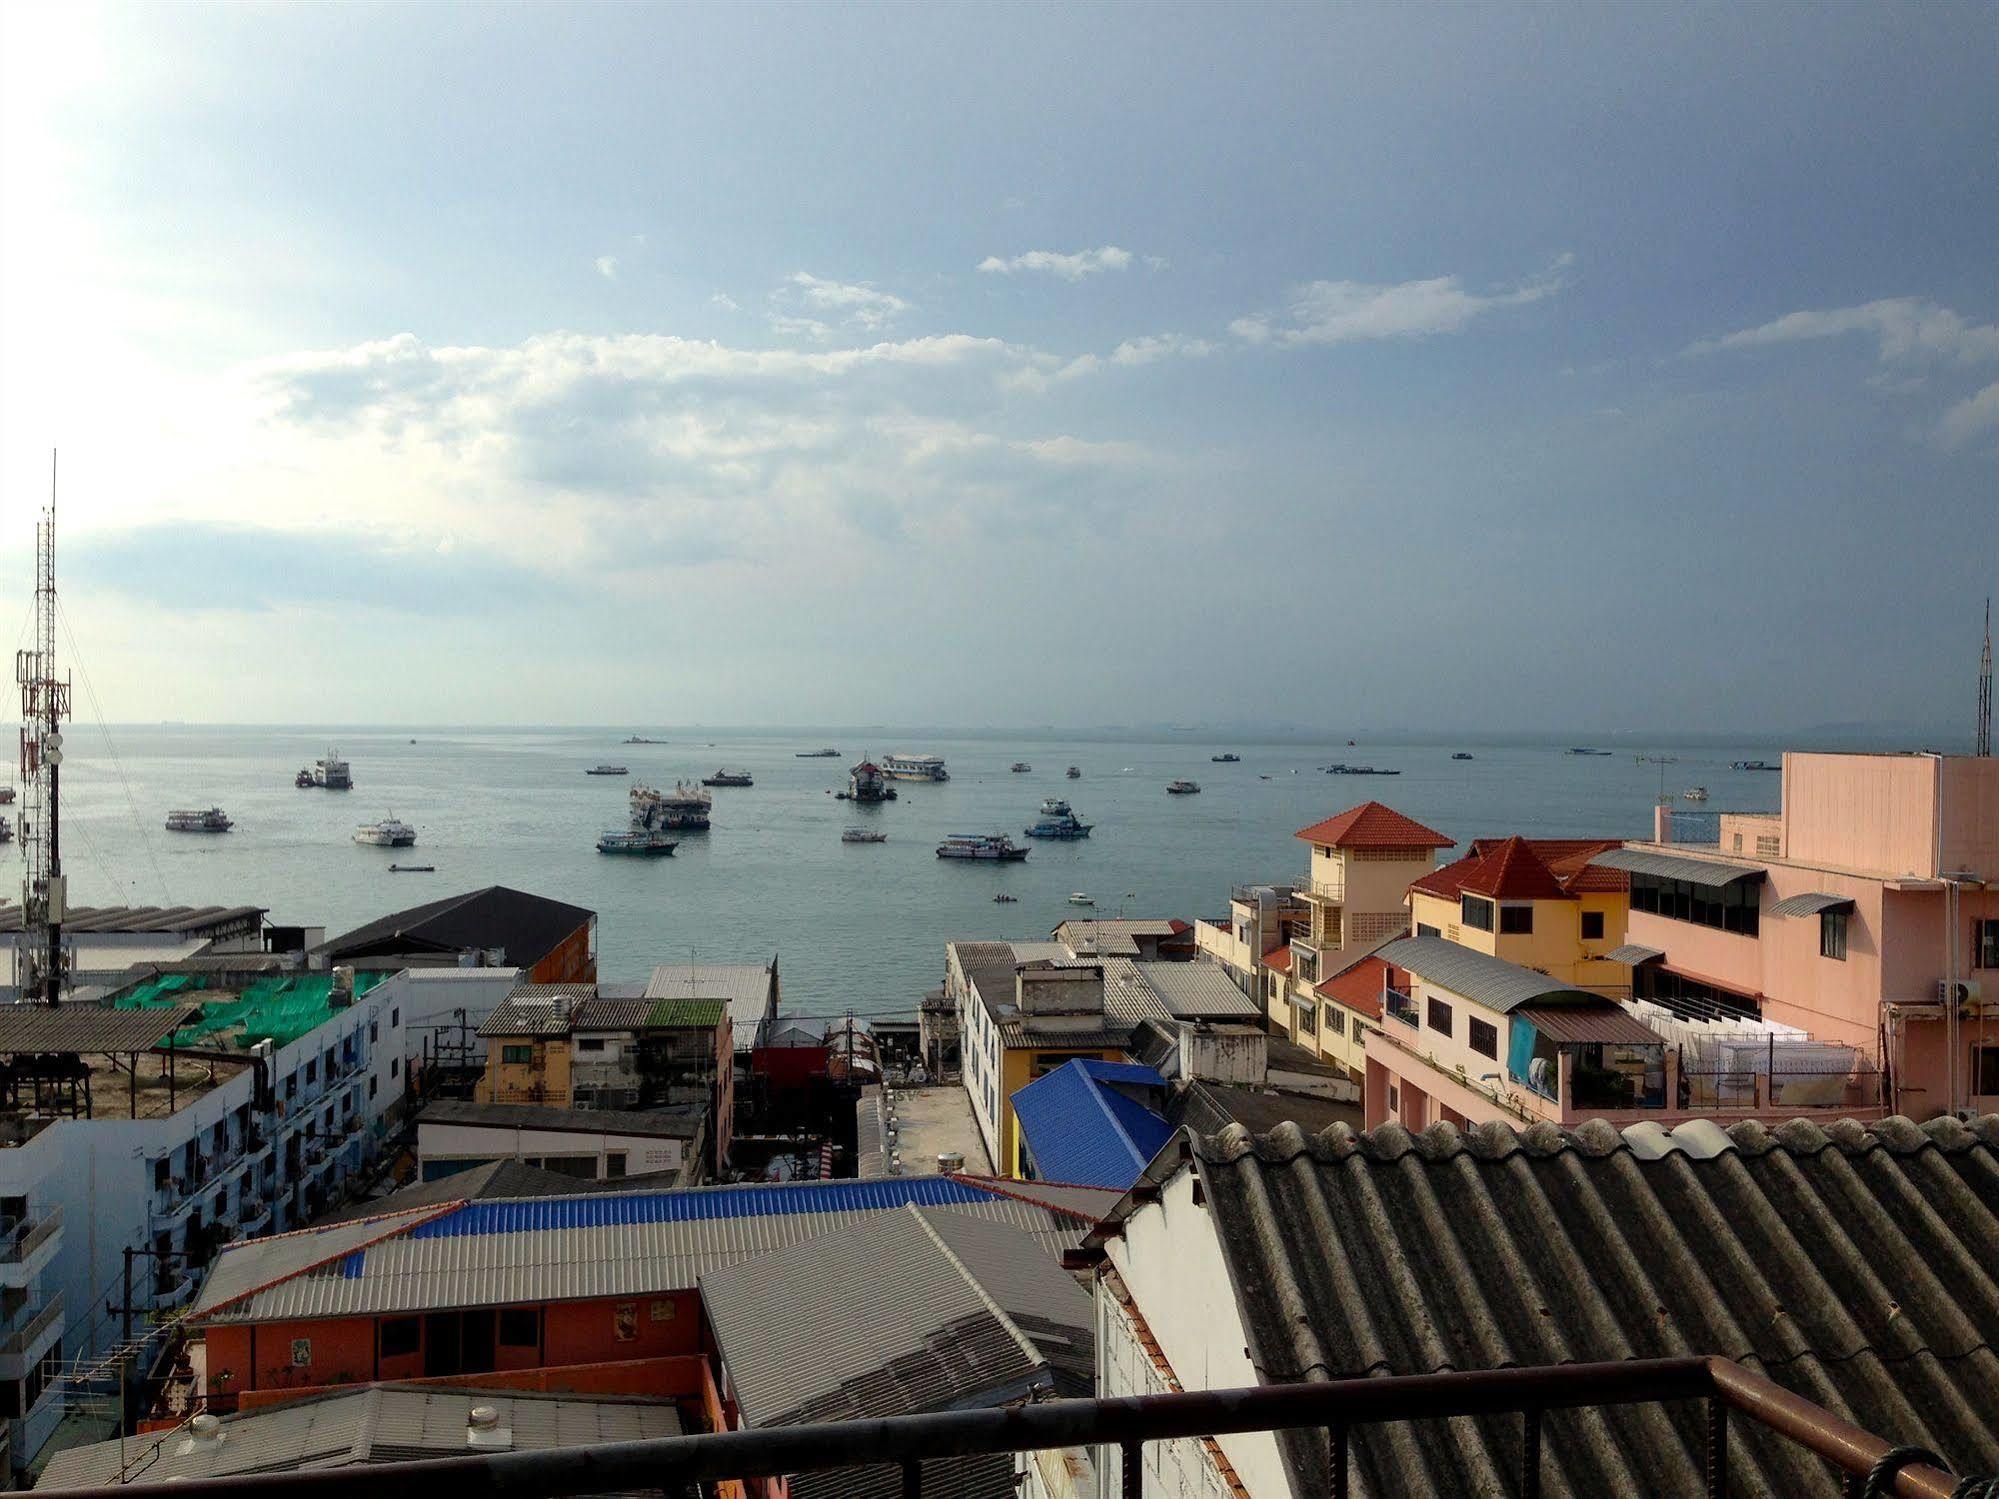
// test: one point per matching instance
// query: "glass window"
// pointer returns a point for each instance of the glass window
(401, 1336)
(1832, 934)
(590, 1043)
(1592, 926)
(516, 1056)
(1985, 944)
(518, 1327)
(1985, 1070)
(1516, 921)
(1336, 1021)
(1475, 912)
(1440, 1016)
(1483, 1035)
(1424, 929)
(614, 1163)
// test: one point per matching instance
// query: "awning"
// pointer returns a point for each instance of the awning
(1634, 952)
(1811, 904)
(1711, 873)
(1607, 1023)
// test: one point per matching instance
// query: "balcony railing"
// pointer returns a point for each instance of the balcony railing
(21, 1237)
(1400, 1006)
(1337, 1407)
(23, 1341)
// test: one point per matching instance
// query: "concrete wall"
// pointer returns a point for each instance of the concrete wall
(1175, 1470)
(462, 1144)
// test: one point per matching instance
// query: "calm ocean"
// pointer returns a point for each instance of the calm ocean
(858, 926)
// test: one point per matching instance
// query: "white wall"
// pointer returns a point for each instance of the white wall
(492, 1142)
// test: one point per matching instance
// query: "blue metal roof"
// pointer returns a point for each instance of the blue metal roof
(1080, 1129)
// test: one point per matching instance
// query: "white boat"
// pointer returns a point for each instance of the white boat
(1183, 788)
(606, 770)
(995, 847)
(1080, 898)
(683, 809)
(390, 832)
(332, 773)
(1054, 806)
(915, 768)
(863, 835)
(1695, 793)
(213, 820)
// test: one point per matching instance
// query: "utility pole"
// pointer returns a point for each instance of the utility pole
(1985, 688)
(45, 703)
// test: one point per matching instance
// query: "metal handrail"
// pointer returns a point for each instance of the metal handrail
(1128, 1422)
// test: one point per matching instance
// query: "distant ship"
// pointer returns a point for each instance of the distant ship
(1753, 765)
(1183, 788)
(213, 820)
(1073, 773)
(1359, 770)
(1226, 759)
(915, 768)
(1585, 750)
(412, 869)
(332, 773)
(390, 832)
(641, 739)
(729, 778)
(995, 847)
(607, 770)
(866, 783)
(863, 835)
(636, 841)
(1020, 767)
(818, 754)
(684, 809)
(1461, 755)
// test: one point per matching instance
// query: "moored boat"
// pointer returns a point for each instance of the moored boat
(210, 820)
(1064, 827)
(1753, 765)
(683, 809)
(863, 835)
(866, 783)
(915, 768)
(390, 832)
(607, 770)
(1226, 758)
(992, 847)
(636, 841)
(1695, 793)
(1020, 767)
(1461, 755)
(1183, 788)
(332, 773)
(303, 780)
(1073, 773)
(412, 869)
(818, 754)
(727, 777)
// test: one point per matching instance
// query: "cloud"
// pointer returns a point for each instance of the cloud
(1039, 371)
(724, 301)
(1070, 267)
(854, 303)
(607, 267)
(1970, 419)
(1332, 312)
(1903, 328)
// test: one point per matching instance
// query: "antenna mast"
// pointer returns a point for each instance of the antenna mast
(44, 705)
(1985, 688)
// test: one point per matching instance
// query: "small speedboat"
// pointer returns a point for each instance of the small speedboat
(1695, 793)
(1073, 773)
(1461, 755)
(412, 869)
(1183, 788)
(1020, 767)
(1080, 898)
(1226, 758)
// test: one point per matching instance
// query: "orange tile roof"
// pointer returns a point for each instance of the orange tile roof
(1527, 869)
(1359, 987)
(1279, 959)
(1371, 825)
(1513, 871)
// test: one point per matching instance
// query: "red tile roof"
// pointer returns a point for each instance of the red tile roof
(1278, 958)
(1359, 988)
(1371, 825)
(1527, 869)
(1513, 871)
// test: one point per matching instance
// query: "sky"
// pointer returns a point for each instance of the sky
(1345, 366)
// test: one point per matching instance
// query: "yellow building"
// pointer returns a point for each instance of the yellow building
(528, 1048)
(1536, 902)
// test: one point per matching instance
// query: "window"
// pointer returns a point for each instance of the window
(590, 1043)
(1985, 1070)
(1730, 908)
(1832, 935)
(374, 1083)
(614, 1163)
(374, 1030)
(516, 1056)
(518, 1327)
(1440, 1016)
(1985, 944)
(1516, 921)
(1308, 1020)
(1424, 929)
(401, 1336)
(312, 1071)
(1484, 1036)
(395, 1017)
(1592, 926)
(1475, 912)
(395, 1066)
(1336, 1021)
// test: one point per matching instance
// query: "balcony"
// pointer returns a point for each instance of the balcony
(1322, 891)
(23, 1345)
(1400, 1007)
(1726, 1393)
(27, 1245)
(177, 1293)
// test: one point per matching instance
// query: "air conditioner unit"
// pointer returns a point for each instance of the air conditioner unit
(1969, 991)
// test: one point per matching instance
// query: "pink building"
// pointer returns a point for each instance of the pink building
(1850, 915)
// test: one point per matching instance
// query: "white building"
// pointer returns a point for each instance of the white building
(590, 1144)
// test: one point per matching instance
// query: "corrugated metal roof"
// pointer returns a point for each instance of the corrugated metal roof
(1079, 1128)
(497, 1252)
(749, 990)
(543, 1010)
(525, 927)
(1198, 990)
(385, 1423)
(601, 1014)
(686, 1014)
(1634, 952)
(1714, 874)
(1607, 1024)
(663, 1124)
(185, 920)
(1857, 1265)
(1811, 904)
(891, 1316)
(1128, 997)
(1479, 977)
(86, 1028)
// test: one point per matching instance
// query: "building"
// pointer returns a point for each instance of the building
(105, 943)
(592, 1144)
(750, 990)
(1846, 915)
(1261, 917)
(549, 941)
(1843, 1263)
(354, 1428)
(1126, 937)
(496, 1178)
(502, 1286)
(1092, 1123)
(1538, 902)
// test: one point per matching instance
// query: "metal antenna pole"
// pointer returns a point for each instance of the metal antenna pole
(45, 702)
(1985, 688)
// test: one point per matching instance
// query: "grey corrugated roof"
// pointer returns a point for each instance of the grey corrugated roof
(1209, 1108)
(1715, 874)
(86, 1028)
(1604, 1023)
(525, 927)
(890, 1317)
(1857, 1265)
(749, 989)
(1634, 952)
(1811, 904)
(243, 1267)
(663, 1124)
(536, 1010)
(504, 1178)
(384, 1423)
(1128, 997)
(1479, 977)
(1198, 990)
(180, 920)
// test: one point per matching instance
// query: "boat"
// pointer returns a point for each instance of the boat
(641, 739)
(915, 768)
(1006, 900)
(818, 754)
(867, 784)
(729, 778)
(639, 841)
(1073, 773)
(1080, 898)
(332, 773)
(1585, 750)
(607, 770)
(988, 847)
(213, 820)
(1183, 788)
(1359, 770)
(1226, 759)
(303, 780)
(684, 809)
(412, 869)
(863, 835)
(1461, 755)
(1054, 806)
(1064, 827)
(1753, 765)
(1695, 793)
(6, 832)
(390, 832)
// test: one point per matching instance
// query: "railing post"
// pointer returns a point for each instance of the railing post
(1337, 1436)
(1131, 1459)
(1717, 1448)
(912, 1479)
(1530, 1454)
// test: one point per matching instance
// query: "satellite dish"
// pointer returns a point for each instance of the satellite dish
(52, 739)
(52, 756)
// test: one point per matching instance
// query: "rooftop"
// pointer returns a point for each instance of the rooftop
(525, 928)
(929, 1122)
(178, 921)
(504, 1178)
(748, 989)
(1372, 825)
(664, 1124)
(1479, 977)
(1083, 1126)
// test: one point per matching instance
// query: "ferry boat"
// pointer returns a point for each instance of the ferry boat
(818, 754)
(640, 739)
(607, 770)
(1020, 767)
(332, 773)
(636, 841)
(729, 778)
(915, 768)
(213, 820)
(390, 832)
(1461, 755)
(1073, 773)
(866, 783)
(1359, 770)
(1062, 826)
(1733, 765)
(683, 809)
(1226, 759)
(863, 835)
(1080, 898)
(994, 847)
(1183, 788)
(1695, 793)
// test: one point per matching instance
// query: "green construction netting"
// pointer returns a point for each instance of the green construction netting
(276, 1008)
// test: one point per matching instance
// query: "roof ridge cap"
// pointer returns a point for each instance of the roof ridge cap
(1021, 1339)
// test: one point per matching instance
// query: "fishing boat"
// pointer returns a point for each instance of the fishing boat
(213, 820)
(607, 770)
(1054, 806)
(1753, 765)
(641, 739)
(1585, 750)
(1064, 827)
(1226, 759)
(867, 784)
(985, 847)
(638, 841)
(1183, 788)
(1080, 898)
(818, 754)
(1695, 793)
(1020, 767)
(1073, 773)
(863, 835)
(684, 809)
(1461, 755)
(915, 768)
(332, 773)
(1006, 900)
(390, 832)
(412, 869)
(729, 778)
(303, 780)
